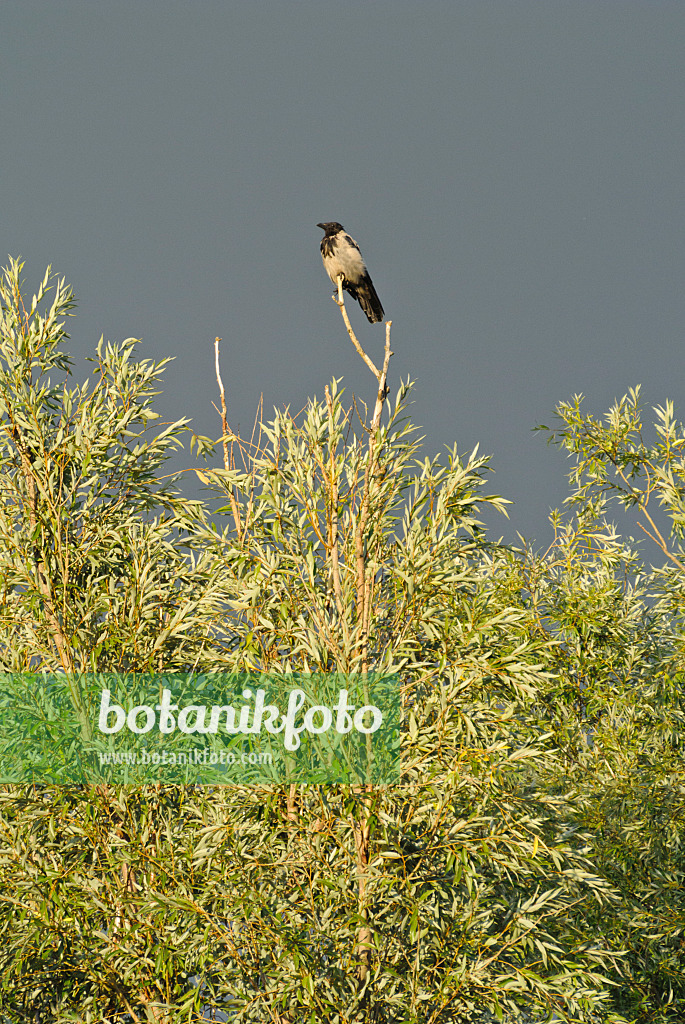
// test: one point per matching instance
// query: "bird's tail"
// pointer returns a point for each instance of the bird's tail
(369, 301)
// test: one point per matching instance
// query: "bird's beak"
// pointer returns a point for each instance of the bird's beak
(323, 226)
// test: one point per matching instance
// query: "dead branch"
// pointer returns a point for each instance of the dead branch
(228, 460)
(340, 301)
(333, 535)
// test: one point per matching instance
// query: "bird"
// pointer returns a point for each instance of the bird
(341, 255)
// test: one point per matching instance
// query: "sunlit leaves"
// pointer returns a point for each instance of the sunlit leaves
(529, 867)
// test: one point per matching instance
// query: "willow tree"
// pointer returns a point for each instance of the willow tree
(93, 577)
(615, 704)
(453, 893)
(456, 894)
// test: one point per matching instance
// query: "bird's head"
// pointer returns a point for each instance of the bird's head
(331, 227)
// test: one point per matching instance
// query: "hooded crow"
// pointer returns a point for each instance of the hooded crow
(341, 255)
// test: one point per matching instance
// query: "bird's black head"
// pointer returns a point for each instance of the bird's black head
(331, 227)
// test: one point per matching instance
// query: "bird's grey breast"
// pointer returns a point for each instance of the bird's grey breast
(341, 255)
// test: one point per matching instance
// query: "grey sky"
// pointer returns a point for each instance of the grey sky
(513, 171)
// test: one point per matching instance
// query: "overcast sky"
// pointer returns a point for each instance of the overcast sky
(514, 172)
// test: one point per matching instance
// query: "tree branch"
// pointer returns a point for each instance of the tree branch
(333, 536)
(353, 337)
(225, 432)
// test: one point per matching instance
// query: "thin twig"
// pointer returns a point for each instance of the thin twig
(362, 829)
(353, 337)
(333, 539)
(656, 536)
(225, 432)
(258, 419)
(382, 380)
(222, 393)
(363, 587)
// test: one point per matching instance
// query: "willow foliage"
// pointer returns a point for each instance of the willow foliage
(485, 885)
